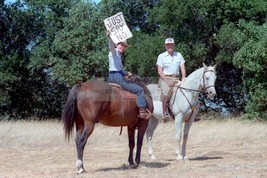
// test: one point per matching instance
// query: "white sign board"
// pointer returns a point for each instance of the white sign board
(118, 28)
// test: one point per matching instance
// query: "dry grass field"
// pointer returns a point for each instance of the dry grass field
(216, 148)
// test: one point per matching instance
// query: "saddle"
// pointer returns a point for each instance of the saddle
(123, 93)
(130, 96)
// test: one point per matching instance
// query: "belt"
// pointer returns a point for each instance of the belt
(175, 76)
(113, 72)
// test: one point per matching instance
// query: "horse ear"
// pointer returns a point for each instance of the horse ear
(215, 66)
(204, 65)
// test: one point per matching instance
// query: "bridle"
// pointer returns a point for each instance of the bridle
(203, 76)
(204, 90)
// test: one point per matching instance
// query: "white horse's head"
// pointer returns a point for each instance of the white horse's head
(209, 78)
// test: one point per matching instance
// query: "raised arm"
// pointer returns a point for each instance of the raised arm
(111, 44)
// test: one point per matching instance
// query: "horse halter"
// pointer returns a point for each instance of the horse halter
(204, 84)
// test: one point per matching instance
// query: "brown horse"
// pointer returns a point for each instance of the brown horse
(96, 101)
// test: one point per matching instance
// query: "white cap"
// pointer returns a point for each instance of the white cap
(169, 41)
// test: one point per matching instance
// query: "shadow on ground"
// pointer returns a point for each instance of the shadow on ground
(203, 158)
(143, 164)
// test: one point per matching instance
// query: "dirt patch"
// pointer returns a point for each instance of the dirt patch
(229, 148)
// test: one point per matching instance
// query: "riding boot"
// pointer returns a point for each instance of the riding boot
(166, 115)
(143, 114)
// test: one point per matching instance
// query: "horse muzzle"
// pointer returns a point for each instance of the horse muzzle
(210, 93)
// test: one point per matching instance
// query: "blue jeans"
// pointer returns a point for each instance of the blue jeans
(117, 77)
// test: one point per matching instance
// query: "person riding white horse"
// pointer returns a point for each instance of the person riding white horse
(169, 65)
(184, 105)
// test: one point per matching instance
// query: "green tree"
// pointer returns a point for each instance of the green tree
(135, 12)
(17, 32)
(143, 62)
(242, 43)
(23, 27)
(252, 58)
(48, 92)
(77, 51)
(50, 15)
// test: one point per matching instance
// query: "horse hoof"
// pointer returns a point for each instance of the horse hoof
(179, 157)
(133, 166)
(80, 171)
(153, 157)
(183, 158)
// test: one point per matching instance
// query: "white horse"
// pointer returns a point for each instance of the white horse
(184, 105)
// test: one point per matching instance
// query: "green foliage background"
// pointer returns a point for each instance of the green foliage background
(46, 46)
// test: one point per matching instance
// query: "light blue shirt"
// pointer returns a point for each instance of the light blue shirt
(114, 56)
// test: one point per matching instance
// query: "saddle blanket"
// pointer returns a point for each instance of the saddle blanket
(123, 93)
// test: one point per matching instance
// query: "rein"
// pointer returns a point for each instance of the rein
(193, 108)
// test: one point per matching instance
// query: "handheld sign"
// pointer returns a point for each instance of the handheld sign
(118, 28)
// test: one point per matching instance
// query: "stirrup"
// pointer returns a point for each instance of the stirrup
(166, 117)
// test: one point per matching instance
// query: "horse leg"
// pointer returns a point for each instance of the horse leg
(79, 164)
(152, 125)
(131, 134)
(142, 127)
(83, 132)
(185, 137)
(178, 135)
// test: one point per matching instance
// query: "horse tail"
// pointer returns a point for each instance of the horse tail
(69, 111)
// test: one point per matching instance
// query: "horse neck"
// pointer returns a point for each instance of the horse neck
(194, 80)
